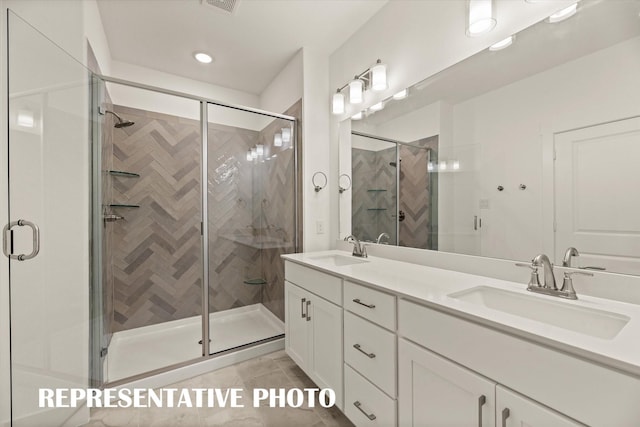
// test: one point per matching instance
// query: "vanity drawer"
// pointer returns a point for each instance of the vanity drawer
(364, 401)
(324, 285)
(371, 304)
(376, 357)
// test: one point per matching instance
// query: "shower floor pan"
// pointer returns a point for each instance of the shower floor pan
(144, 349)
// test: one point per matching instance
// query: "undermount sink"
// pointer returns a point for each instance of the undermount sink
(584, 320)
(338, 260)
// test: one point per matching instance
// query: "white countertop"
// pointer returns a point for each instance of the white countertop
(431, 287)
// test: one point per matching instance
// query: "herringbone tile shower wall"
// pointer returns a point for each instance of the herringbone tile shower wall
(156, 251)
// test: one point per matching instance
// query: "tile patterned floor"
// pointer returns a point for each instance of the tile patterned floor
(270, 371)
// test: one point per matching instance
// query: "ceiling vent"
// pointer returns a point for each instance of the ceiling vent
(228, 6)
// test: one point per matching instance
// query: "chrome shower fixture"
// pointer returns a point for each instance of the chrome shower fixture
(121, 123)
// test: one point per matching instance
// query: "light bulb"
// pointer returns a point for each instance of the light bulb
(480, 18)
(286, 135)
(277, 140)
(379, 77)
(355, 91)
(337, 103)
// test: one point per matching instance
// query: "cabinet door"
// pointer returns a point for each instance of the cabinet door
(514, 410)
(296, 336)
(433, 391)
(326, 347)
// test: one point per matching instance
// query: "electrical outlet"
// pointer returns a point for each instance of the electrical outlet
(319, 227)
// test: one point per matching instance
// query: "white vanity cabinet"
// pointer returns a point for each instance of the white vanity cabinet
(515, 410)
(436, 392)
(313, 325)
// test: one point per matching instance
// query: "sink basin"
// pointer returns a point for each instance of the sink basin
(584, 320)
(338, 260)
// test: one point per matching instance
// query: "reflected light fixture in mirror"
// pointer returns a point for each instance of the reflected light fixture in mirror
(249, 156)
(277, 140)
(254, 153)
(563, 14)
(286, 135)
(260, 149)
(377, 107)
(502, 44)
(25, 119)
(480, 18)
(401, 95)
(357, 116)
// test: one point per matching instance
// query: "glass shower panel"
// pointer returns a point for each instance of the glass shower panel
(151, 209)
(251, 222)
(48, 198)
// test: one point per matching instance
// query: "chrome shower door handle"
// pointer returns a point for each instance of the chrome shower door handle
(36, 240)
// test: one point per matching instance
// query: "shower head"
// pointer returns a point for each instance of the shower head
(121, 123)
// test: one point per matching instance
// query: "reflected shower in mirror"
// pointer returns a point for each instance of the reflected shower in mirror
(534, 149)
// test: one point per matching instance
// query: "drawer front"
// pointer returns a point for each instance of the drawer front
(363, 401)
(371, 304)
(375, 357)
(325, 285)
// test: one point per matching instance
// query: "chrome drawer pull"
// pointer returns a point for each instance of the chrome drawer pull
(302, 307)
(308, 304)
(505, 415)
(370, 416)
(481, 401)
(357, 301)
(369, 355)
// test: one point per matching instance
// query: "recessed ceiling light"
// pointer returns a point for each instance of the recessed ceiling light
(563, 14)
(203, 57)
(502, 43)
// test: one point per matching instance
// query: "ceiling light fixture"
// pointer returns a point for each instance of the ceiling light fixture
(502, 44)
(401, 95)
(374, 78)
(205, 58)
(563, 14)
(480, 17)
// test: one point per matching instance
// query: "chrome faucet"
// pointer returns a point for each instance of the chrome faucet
(383, 236)
(359, 249)
(571, 252)
(547, 284)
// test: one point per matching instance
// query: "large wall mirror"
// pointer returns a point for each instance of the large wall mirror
(531, 148)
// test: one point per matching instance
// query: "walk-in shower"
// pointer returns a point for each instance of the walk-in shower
(200, 224)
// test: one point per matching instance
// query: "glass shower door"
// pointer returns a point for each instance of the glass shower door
(47, 237)
(251, 222)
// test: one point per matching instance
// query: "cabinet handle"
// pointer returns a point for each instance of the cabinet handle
(358, 405)
(308, 304)
(357, 301)
(369, 355)
(481, 401)
(505, 415)
(302, 307)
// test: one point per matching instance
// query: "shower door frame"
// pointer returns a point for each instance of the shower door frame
(204, 228)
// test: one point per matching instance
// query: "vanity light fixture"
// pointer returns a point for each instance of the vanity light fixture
(456, 165)
(563, 14)
(277, 139)
(480, 17)
(502, 44)
(443, 165)
(377, 107)
(374, 78)
(286, 135)
(401, 95)
(357, 116)
(202, 57)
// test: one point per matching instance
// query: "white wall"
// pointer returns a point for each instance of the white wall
(286, 88)
(509, 143)
(417, 39)
(421, 123)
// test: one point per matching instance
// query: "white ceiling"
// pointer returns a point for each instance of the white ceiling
(250, 46)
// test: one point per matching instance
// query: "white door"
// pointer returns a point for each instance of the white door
(326, 345)
(516, 410)
(433, 391)
(597, 199)
(296, 324)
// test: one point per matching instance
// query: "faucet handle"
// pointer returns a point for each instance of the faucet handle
(567, 283)
(534, 280)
